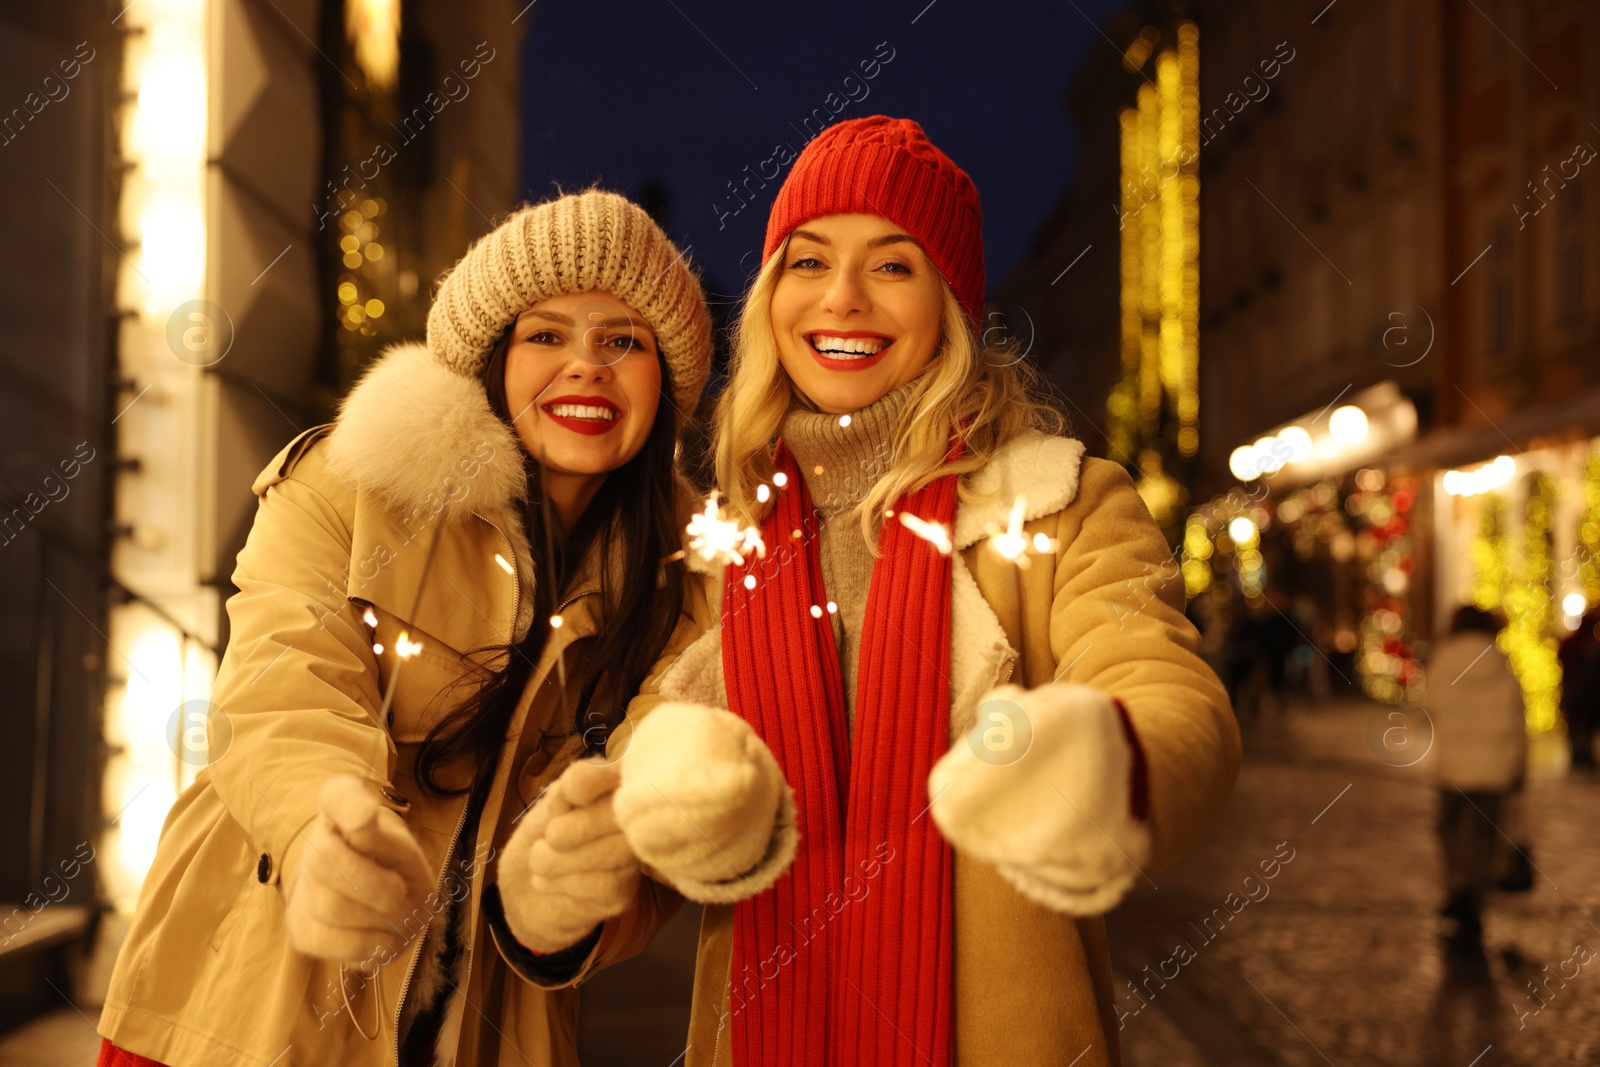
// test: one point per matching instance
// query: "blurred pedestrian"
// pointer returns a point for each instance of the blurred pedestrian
(1266, 639)
(1475, 703)
(1580, 688)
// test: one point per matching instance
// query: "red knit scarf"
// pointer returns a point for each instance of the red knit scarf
(847, 959)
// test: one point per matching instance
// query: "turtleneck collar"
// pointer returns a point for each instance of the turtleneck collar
(841, 460)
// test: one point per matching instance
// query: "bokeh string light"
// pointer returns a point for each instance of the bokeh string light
(1530, 609)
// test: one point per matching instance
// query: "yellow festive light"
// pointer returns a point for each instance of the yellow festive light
(1589, 529)
(1529, 637)
(1487, 554)
(373, 28)
(1158, 394)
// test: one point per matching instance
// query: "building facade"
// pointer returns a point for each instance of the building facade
(1399, 322)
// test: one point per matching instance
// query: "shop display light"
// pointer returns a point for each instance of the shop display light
(1158, 395)
(1484, 479)
(155, 723)
(1348, 425)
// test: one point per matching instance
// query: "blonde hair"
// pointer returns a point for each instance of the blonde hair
(985, 388)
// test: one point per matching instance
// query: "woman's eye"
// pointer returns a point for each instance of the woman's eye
(545, 337)
(626, 341)
(893, 267)
(805, 263)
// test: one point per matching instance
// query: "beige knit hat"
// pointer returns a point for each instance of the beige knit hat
(574, 244)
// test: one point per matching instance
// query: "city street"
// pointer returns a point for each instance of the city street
(1337, 959)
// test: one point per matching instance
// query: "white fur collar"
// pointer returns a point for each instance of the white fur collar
(1038, 467)
(411, 431)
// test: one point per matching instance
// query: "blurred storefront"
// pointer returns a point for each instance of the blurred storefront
(266, 189)
(1393, 404)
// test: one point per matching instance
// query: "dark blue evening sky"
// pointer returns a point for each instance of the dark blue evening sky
(632, 93)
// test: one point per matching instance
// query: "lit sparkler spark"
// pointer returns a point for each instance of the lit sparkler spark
(404, 649)
(932, 532)
(1013, 542)
(717, 538)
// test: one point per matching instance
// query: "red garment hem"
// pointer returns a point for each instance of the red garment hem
(112, 1056)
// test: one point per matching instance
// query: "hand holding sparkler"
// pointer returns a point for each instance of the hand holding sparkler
(704, 803)
(567, 867)
(1048, 787)
(351, 875)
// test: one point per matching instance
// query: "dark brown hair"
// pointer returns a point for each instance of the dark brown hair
(633, 525)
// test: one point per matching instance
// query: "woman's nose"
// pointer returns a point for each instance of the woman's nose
(845, 294)
(589, 363)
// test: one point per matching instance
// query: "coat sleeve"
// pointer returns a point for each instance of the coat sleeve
(656, 903)
(297, 687)
(1117, 623)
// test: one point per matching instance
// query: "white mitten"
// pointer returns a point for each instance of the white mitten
(704, 803)
(351, 876)
(1041, 789)
(567, 866)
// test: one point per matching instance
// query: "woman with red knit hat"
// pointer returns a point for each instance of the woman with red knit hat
(959, 665)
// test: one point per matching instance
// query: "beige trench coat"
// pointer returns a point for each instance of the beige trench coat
(347, 512)
(1032, 985)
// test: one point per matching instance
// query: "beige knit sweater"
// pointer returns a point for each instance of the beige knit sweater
(840, 464)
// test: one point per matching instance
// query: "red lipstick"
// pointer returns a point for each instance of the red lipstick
(847, 363)
(588, 425)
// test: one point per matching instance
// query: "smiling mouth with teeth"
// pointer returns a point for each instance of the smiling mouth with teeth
(581, 411)
(847, 348)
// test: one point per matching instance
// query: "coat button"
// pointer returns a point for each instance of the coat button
(263, 868)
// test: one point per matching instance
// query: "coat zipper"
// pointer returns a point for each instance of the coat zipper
(450, 851)
(416, 954)
(422, 941)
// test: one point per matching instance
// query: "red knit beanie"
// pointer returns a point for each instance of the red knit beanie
(887, 167)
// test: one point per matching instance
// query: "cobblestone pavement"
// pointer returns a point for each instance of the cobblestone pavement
(1331, 953)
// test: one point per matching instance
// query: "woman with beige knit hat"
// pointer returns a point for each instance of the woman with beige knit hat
(960, 658)
(449, 597)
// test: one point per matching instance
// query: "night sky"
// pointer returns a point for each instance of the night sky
(632, 95)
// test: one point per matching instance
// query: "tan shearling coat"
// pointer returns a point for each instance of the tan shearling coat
(1033, 985)
(347, 515)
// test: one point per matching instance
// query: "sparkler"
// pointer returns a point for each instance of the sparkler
(1010, 542)
(404, 647)
(1014, 543)
(717, 538)
(932, 532)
